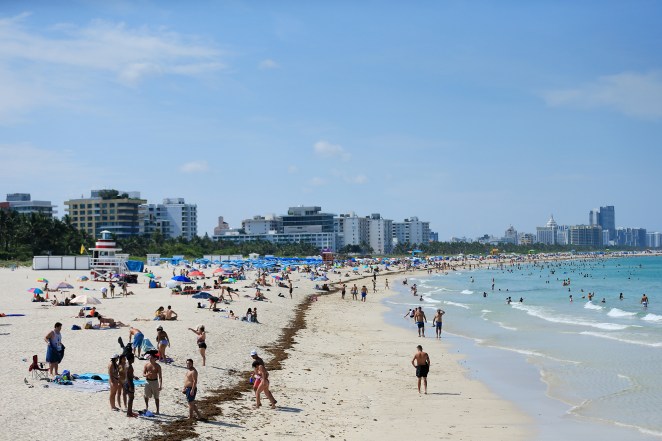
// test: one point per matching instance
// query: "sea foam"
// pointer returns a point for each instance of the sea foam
(615, 312)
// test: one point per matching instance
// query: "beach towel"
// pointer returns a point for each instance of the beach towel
(12, 315)
(84, 386)
(101, 378)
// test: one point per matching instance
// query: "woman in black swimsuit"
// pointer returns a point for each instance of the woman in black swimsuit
(200, 332)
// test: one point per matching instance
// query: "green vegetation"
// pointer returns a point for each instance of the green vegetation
(24, 236)
(199, 246)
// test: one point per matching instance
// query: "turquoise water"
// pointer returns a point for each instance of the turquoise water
(599, 361)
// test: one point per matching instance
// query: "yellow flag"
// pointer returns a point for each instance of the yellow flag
(82, 249)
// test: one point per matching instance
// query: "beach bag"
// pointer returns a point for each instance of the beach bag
(75, 328)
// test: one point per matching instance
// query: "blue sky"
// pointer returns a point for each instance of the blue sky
(472, 115)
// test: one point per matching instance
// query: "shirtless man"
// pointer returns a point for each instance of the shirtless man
(436, 321)
(191, 389)
(421, 362)
(170, 314)
(364, 293)
(355, 292)
(137, 337)
(420, 320)
(152, 373)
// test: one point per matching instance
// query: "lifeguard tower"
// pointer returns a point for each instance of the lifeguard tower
(105, 262)
(327, 257)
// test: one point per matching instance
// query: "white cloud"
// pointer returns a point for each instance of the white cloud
(292, 169)
(269, 64)
(317, 181)
(325, 149)
(194, 167)
(58, 61)
(633, 94)
(358, 179)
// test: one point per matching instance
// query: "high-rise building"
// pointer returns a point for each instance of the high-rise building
(510, 236)
(631, 237)
(307, 220)
(263, 224)
(110, 210)
(604, 217)
(380, 234)
(23, 203)
(585, 235)
(173, 218)
(654, 240)
(547, 234)
(351, 229)
(411, 231)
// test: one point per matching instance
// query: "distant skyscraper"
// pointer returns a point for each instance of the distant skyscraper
(585, 235)
(547, 234)
(604, 217)
(173, 218)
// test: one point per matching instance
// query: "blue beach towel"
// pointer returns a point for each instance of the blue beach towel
(103, 378)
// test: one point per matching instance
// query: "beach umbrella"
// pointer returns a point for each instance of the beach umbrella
(64, 285)
(182, 279)
(196, 274)
(86, 300)
(218, 270)
(35, 291)
(150, 275)
(172, 283)
(42, 280)
(83, 279)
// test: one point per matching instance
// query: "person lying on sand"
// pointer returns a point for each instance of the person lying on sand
(110, 322)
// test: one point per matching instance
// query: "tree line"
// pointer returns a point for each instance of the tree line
(23, 236)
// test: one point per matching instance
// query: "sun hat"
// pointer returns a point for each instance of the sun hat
(253, 352)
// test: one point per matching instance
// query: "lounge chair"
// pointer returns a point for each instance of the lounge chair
(39, 372)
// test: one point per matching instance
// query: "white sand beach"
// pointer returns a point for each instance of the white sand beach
(348, 374)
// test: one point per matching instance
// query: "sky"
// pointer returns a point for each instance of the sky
(470, 115)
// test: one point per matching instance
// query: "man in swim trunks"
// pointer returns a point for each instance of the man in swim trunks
(191, 389)
(355, 292)
(364, 293)
(137, 337)
(421, 362)
(436, 321)
(152, 373)
(170, 314)
(420, 319)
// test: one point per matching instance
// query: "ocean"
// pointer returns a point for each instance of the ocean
(582, 369)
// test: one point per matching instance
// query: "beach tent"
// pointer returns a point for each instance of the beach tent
(64, 285)
(182, 279)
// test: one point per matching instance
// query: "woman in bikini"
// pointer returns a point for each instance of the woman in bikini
(164, 340)
(113, 380)
(121, 392)
(261, 377)
(202, 335)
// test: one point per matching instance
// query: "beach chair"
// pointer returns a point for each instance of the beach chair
(39, 372)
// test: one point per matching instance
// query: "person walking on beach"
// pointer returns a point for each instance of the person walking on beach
(256, 380)
(54, 350)
(436, 321)
(290, 289)
(114, 380)
(364, 293)
(261, 377)
(163, 342)
(421, 362)
(355, 292)
(191, 389)
(152, 373)
(420, 320)
(137, 337)
(342, 291)
(202, 345)
(386, 284)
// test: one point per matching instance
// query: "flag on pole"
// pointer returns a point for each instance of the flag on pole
(82, 249)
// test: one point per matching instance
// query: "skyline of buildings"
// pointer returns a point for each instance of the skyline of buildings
(126, 214)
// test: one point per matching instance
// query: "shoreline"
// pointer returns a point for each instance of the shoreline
(349, 376)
